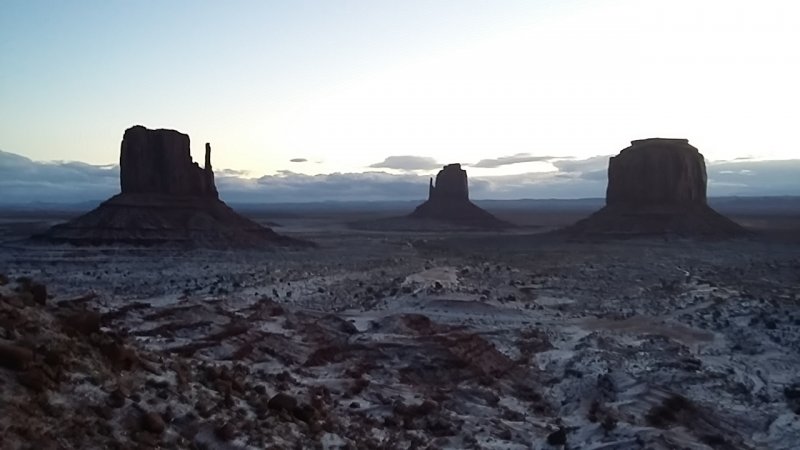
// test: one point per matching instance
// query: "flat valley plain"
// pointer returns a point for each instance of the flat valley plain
(414, 339)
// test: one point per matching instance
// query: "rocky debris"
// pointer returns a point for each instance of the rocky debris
(792, 395)
(146, 220)
(282, 402)
(678, 410)
(226, 432)
(14, 357)
(657, 187)
(37, 291)
(50, 365)
(558, 437)
(623, 344)
(82, 321)
(63, 386)
(165, 199)
(448, 201)
(153, 422)
(161, 399)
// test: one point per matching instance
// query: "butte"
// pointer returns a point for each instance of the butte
(448, 201)
(165, 198)
(657, 187)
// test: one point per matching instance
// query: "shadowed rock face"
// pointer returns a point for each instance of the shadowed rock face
(657, 172)
(166, 198)
(655, 187)
(451, 185)
(448, 200)
(159, 162)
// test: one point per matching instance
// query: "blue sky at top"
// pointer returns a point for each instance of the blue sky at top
(346, 85)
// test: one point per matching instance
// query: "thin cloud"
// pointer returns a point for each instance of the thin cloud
(519, 158)
(24, 181)
(599, 175)
(407, 163)
(742, 177)
(593, 164)
(230, 173)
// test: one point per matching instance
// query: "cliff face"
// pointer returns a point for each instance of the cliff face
(657, 187)
(451, 185)
(159, 162)
(448, 201)
(657, 171)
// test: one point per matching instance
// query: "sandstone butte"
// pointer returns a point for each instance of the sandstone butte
(165, 198)
(448, 201)
(657, 187)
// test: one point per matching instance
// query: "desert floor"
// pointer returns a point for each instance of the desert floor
(506, 340)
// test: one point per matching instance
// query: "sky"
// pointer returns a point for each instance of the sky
(300, 93)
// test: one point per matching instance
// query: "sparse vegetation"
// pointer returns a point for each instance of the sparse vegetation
(466, 343)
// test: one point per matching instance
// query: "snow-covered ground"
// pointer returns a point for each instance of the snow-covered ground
(399, 340)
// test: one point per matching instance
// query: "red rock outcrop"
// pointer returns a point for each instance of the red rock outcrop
(451, 185)
(448, 200)
(657, 171)
(166, 198)
(160, 162)
(657, 187)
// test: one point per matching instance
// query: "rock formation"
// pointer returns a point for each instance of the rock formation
(657, 172)
(657, 186)
(159, 162)
(451, 185)
(165, 198)
(448, 200)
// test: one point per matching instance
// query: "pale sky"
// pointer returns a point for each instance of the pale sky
(347, 84)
